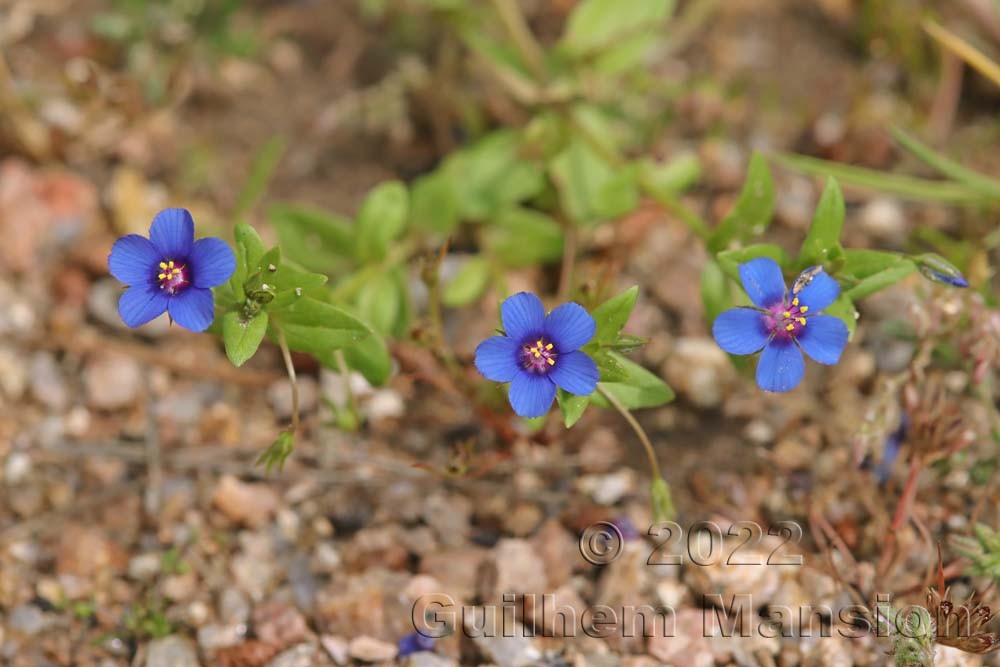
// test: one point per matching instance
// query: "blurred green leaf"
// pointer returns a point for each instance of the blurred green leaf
(596, 25)
(434, 203)
(672, 177)
(572, 406)
(491, 176)
(752, 212)
(908, 187)
(261, 170)
(641, 389)
(860, 263)
(823, 240)
(591, 189)
(468, 284)
(715, 291)
(381, 219)
(371, 358)
(249, 250)
(318, 240)
(380, 303)
(956, 172)
(524, 237)
(242, 337)
(279, 451)
(609, 366)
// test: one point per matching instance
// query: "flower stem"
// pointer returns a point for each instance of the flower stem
(290, 368)
(902, 512)
(345, 374)
(663, 506)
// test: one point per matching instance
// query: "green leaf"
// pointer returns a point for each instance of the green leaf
(242, 337)
(572, 406)
(612, 315)
(883, 279)
(823, 241)
(468, 284)
(279, 451)
(492, 175)
(972, 179)
(642, 389)
(319, 328)
(505, 237)
(672, 177)
(609, 366)
(860, 263)
(434, 203)
(381, 219)
(371, 358)
(843, 309)
(380, 303)
(591, 189)
(716, 293)
(249, 250)
(909, 187)
(261, 170)
(752, 212)
(596, 25)
(318, 240)
(730, 260)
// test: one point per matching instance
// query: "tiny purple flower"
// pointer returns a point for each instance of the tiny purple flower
(170, 272)
(783, 323)
(414, 643)
(539, 353)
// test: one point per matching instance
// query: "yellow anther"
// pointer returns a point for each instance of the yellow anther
(786, 314)
(795, 301)
(552, 362)
(162, 276)
(538, 354)
(549, 346)
(802, 321)
(163, 265)
(804, 309)
(790, 327)
(170, 264)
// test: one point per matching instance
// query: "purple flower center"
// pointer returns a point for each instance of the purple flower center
(538, 356)
(786, 320)
(173, 276)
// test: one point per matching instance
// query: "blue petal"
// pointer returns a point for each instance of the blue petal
(823, 338)
(133, 260)
(496, 359)
(531, 395)
(570, 327)
(193, 308)
(740, 331)
(141, 303)
(172, 232)
(821, 291)
(212, 262)
(523, 315)
(575, 372)
(762, 281)
(781, 366)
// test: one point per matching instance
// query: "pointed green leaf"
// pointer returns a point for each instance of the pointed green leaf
(823, 241)
(612, 315)
(752, 212)
(572, 406)
(468, 284)
(642, 389)
(381, 219)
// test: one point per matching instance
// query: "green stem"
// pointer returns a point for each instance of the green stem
(290, 369)
(345, 373)
(517, 27)
(636, 427)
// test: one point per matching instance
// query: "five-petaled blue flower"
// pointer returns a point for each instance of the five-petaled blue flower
(539, 353)
(170, 272)
(784, 324)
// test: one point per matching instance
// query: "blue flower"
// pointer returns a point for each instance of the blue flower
(414, 643)
(783, 324)
(539, 353)
(170, 272)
